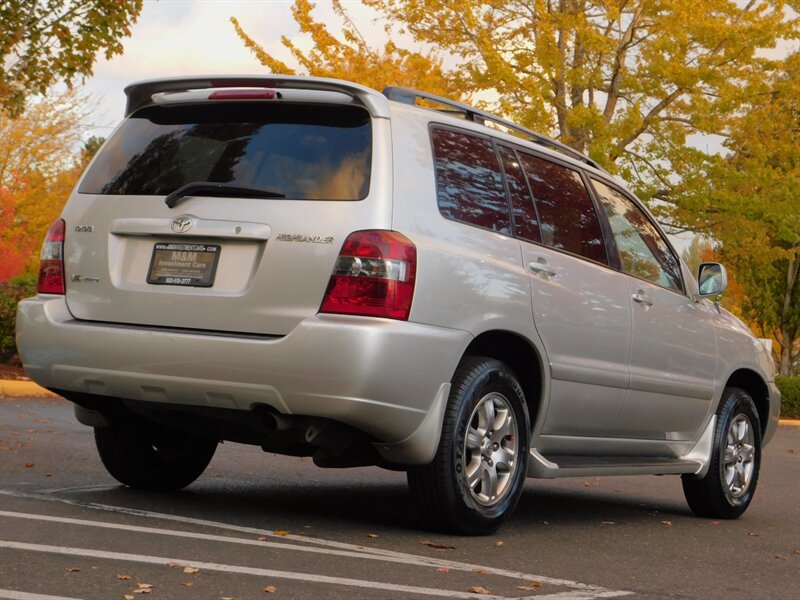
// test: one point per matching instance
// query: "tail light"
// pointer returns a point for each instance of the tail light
(373, 277)
(51, 264)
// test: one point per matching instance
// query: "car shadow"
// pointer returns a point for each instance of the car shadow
(364, 505)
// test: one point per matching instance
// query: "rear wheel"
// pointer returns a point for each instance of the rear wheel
(727, 489)
(477, 475)
(149, 456)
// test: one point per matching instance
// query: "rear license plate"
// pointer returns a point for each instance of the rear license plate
(183, 264)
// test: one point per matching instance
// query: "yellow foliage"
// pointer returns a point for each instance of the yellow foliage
(352, 58)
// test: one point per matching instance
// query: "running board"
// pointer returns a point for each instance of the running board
(551, 467)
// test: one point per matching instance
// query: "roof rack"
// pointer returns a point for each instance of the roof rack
(409, 96)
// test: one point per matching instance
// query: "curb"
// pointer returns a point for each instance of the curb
(10, 388)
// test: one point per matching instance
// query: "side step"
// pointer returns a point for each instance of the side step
(554, 466)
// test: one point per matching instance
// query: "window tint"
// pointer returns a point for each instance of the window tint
(469, 186)
(567, 217)
(643, 252)
(526, 222)
(303, 152)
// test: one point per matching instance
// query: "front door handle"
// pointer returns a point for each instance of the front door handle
(642, 298)
(540, 267)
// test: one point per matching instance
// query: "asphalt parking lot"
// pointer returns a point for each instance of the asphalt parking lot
(257, 525)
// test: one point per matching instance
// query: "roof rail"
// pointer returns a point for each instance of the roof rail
(141, 93)
(409, 96)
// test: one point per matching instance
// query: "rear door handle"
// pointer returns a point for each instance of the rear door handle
(642, 298)
(540, 267)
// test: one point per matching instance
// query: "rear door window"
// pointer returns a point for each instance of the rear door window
(469, 185)
(567, 218)
(526, 221)
(307, 152)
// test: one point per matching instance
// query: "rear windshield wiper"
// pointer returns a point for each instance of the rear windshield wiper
(207, 188)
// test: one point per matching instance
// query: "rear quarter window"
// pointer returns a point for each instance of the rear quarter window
(469, 185)
(307, 152)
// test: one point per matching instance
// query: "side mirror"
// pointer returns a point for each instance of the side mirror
(712, 279)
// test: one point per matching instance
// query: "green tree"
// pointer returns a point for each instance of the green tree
(750, 200)
(48, 41)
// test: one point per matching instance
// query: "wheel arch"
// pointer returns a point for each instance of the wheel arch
(752, 383)
(519, 354)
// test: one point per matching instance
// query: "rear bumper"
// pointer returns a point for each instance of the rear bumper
(387, 378)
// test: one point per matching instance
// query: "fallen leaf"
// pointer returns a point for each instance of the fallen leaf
(48, 474)
(499, 543)
(372, 535)
(797, 551)
(127, 597)
(191, 570)
(607, 523)
(782, 557)
(715, 523)
(436, 546)
(187, 584)
(476, 589)
(29, 465)
(144, 586)
(143, 591)
(281, 532)
(667, 523)
(753, 534)
(74, 570)
(531, 586)
(123, 577)
(443, 570)
(481, 570)
(270, 589)
(226, 598)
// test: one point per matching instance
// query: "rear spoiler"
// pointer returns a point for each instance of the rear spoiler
(141, 93)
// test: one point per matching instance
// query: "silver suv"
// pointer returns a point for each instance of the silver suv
(323, 270)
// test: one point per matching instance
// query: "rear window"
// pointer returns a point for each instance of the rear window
(301, 151)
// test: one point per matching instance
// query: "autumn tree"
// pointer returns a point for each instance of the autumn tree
(750, 200)
(353, 59)
(38, 168)
(44, 42)
(626, 81)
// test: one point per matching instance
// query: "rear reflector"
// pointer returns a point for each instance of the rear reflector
(373, 276)
(51, 263)
(242, 95)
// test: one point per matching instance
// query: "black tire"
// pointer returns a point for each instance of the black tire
(727, 489)
(482, 387)
(147, 456)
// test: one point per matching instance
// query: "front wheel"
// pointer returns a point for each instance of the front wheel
(149, 456)
(477, 475)
(727, 489)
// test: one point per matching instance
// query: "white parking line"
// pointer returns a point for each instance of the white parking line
(17, 595)
(579, 590)
(240, 569)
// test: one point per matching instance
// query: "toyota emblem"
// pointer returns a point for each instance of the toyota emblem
(182, 224)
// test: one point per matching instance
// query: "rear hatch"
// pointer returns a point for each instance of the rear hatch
(262, 194)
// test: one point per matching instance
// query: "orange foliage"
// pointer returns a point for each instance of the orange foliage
(15, 246)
